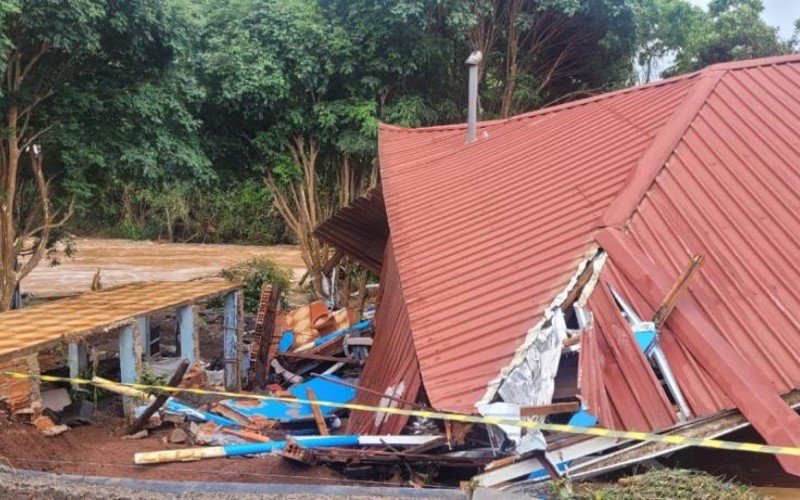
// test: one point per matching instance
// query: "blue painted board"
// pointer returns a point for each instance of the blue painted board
(325, 390)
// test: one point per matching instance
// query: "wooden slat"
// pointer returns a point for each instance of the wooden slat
(532, 411)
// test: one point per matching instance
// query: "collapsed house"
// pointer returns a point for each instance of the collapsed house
(558, 256)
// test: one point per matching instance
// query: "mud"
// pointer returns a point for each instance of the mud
(99, 450)
(126, 261)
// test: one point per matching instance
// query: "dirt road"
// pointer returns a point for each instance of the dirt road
(126, 261)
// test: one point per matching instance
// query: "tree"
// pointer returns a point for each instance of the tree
(663, 28)
(51, 48)
(275, 70)
(731, 30)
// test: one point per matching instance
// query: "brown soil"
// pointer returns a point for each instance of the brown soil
(126, 261)
(99, 450)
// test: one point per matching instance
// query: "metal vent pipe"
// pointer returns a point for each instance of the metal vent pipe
(473, 61)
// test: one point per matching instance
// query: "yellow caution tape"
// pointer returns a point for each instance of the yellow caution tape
(458, 417)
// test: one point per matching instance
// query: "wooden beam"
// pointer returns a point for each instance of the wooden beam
(329, 266)
(533, 411)
(668, 303)
(318, 417)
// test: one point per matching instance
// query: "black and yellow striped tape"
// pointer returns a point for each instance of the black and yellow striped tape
(458, 417)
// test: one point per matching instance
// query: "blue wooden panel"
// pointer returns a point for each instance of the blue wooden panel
(325, 390)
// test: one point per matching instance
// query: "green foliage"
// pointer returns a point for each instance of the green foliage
(181, 211)
(149, 377)
(254, 274)
(729, 30)
(169, 113)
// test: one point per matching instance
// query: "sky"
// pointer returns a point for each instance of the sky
(781, 13)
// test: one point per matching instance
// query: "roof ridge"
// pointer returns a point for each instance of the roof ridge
(725, 66)
(664, 143)
(543, 111)
(754, 63)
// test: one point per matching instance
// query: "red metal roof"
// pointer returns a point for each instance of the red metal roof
(487, 233)
(630, 396)
(728, 189)
(359, 229)
(391, 367)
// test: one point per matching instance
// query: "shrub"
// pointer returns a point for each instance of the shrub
(254, 273)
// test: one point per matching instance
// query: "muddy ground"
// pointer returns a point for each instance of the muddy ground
(126, 261)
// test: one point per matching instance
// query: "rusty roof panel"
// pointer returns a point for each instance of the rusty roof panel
(359, 230)
(37, 327)
(392, 366)
(487, 233)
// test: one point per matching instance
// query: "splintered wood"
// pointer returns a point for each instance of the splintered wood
(34, 328)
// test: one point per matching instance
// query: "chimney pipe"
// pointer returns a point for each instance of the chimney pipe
(473, 61)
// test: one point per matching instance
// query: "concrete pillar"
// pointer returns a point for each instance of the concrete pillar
(187, 332)
(144, 328)
(130, 359)
(78, 360)
(231, 340)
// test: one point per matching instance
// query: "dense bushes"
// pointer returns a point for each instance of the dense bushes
(242, 213)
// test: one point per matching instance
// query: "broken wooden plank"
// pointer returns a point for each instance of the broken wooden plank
(318, 417)
(176, 378)
(682, 283)
(532, 411)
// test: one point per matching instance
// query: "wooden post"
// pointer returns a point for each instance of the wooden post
(189, 338)
(230, 340)
(130, 359)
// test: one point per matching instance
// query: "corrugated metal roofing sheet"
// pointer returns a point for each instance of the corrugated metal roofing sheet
(624, 387)
(359, 229)
(487, 233)
(391, 367)
(37, 327)
(727, 190)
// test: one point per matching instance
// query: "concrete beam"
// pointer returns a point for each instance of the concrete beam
(188, 332)
(232, 345)
(144, 328)
(130, 359)
(78, 359)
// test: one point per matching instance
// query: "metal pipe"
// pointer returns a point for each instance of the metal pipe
(672, 385)
(473, 61)
(189, 454)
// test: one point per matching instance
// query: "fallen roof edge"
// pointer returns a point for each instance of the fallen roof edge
(655, 157)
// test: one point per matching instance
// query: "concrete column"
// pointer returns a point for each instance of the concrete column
(130, 359)
(78, 360)
(231, 341)
(144, 328)
(188, 335)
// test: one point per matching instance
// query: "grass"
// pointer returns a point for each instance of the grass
(659, 484)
